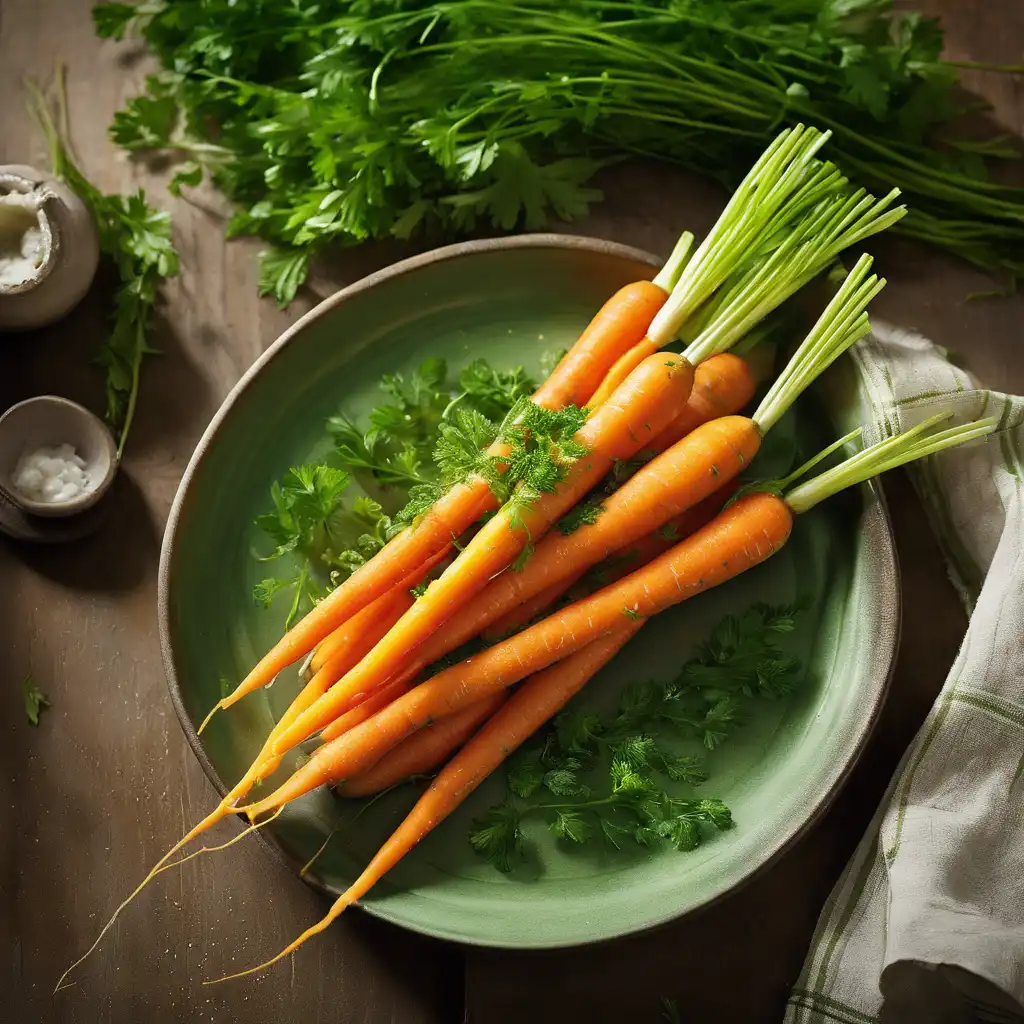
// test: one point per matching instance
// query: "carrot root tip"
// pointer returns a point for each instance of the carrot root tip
(206, 721)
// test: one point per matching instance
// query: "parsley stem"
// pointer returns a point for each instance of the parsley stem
(133, 391)
(293, 611)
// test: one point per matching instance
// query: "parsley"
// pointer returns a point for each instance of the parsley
(583, 514)
(613, 776)
(34, 698)
(136, 237)
(334, 123)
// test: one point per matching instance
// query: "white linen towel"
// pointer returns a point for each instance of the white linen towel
(927, 922)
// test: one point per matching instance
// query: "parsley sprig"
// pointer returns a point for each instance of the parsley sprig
(136, 237)
(614, 777)
(330, 517)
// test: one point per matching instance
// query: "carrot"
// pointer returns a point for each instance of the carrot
(423, 751)
(734, 542)
(678, 479)
(631, 556)
(617, 327)
(521, 716)
(638, 411)
(722, 386)
(380, 698)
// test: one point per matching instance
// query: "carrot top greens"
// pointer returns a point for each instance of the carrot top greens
(615, 778)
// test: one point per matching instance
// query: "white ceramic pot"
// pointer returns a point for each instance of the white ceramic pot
(64, 248)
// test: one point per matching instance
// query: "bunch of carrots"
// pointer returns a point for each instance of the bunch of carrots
(495, 569)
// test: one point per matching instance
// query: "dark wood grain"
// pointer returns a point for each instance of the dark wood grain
(96, 793)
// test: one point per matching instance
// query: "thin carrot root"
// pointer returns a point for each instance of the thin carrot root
(247, 831)
(206, 721)
(218, 814)
(342, 903)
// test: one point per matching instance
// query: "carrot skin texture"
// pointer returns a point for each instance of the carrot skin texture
(350, 633)
(619, 325)
(679, 479)
(638, 411)
(743, 535)
(722, 386)
(423, 751)
(616, 328)
(631, 557)
(503, 626)
(524, 713)
(380, 698)
(622, 368)
(361, 633)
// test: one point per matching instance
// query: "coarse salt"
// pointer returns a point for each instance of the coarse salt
(51, 474)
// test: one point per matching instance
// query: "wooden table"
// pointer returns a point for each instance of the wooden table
(96, 793)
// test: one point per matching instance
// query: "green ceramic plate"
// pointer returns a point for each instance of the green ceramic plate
(510, 300)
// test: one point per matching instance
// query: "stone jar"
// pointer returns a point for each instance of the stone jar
(55, 229)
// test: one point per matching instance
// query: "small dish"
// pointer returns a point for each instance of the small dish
(50, 421)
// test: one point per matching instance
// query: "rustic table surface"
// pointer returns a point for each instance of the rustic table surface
(90, 798)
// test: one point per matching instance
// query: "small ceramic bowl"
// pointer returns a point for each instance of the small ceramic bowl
(48, 420)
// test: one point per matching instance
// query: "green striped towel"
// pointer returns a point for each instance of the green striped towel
(927, 922)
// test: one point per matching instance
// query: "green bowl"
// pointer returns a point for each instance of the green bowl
(510, 300)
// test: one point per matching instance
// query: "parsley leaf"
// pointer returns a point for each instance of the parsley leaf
(497, 836)
(583, 514)
(34, 698)
(329, 123)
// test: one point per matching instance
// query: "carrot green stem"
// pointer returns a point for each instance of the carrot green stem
(916, 443)
(741, 229)
(800, 471)
(839, 326)
(808, 247)
(668, 276)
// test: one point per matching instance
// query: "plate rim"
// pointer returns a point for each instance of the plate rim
(876, 517)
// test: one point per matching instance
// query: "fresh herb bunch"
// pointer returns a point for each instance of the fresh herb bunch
(342, 120)
(611, 777)
(137, 238)
(429, 434)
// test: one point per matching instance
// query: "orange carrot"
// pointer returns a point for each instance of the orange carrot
(380, 698)
(744, 534)
(423, 751)
(617, 327)
(722, 386)
(504, 625)
(624, 561)
(623, 367)
(638, 411)
(525, 712)
(336, 650)
(350, 633)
